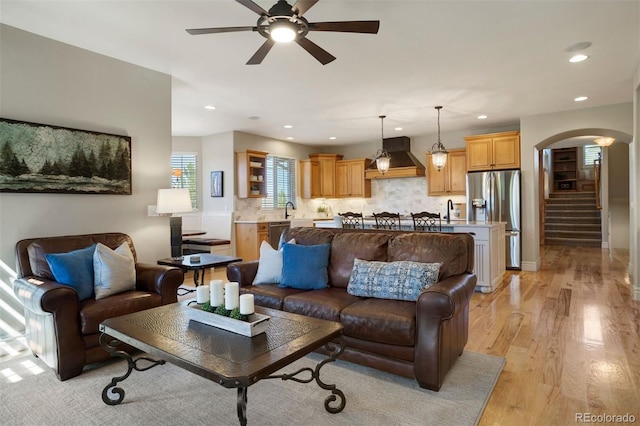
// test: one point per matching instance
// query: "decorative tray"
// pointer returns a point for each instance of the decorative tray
(258, 323)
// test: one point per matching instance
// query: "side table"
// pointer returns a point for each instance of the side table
(207, 261)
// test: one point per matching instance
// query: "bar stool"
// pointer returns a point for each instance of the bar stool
(352, 220)
(386, 220)
(425, 221)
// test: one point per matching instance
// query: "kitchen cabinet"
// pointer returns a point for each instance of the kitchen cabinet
(494, 151)
(489, 254)
(318, 175)
(249, 236)
(565, 169)
(451, 180)
(251, 173)
(350, 179)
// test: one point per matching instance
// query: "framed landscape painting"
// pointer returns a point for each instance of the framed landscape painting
(51, 159)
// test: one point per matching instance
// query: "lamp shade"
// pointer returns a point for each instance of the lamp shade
(173, 201)
(383, 164)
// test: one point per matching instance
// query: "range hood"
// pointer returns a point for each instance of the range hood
(403, 163)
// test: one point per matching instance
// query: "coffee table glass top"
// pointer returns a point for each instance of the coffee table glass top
(231, 359)
(206, 261)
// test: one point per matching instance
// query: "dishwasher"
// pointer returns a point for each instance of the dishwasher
(275, 230)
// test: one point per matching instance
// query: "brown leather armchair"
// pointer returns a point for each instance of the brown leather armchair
(61, 329)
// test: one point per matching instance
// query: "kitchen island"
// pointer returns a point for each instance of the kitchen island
(489, 237)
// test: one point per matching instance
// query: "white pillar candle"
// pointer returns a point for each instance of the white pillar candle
(246, 304)
(231, 295)
(202, 294)
(217, 292)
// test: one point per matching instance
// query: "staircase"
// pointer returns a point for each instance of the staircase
(571, 219)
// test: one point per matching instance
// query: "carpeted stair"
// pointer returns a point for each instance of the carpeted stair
(572, 219)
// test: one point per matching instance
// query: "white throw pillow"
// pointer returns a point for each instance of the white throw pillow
(114, 270)
(270, 264)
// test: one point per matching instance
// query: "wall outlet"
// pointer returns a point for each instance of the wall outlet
(152, 211)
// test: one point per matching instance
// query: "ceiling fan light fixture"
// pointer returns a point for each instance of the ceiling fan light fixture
(283, 31)
(604, 141)
(438, 151)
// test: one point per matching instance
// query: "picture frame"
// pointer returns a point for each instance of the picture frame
(43, 158)
(217, 184)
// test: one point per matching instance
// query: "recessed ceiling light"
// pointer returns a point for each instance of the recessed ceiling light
(482, 117)
(333, 138)
(290, 138)
(288, 126)
(578, 58)
(209, 107)
(397, 129)
(581, 98)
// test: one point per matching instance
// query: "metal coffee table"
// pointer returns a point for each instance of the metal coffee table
(229, 359)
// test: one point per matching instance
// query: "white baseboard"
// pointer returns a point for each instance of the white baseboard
(531, 266)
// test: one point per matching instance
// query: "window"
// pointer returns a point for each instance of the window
(590, 153)
(281, 182)
(184, 175)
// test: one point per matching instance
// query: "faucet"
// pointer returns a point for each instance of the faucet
(449, 208)
(286, 212)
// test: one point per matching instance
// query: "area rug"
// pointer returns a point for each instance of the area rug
(168, 395)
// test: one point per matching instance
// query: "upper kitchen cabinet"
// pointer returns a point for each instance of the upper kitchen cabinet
(350, 179)
(318, 175)
(451, 180)
(494, 151)
(251, 174)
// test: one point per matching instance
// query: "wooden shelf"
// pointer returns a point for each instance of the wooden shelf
(565, 169)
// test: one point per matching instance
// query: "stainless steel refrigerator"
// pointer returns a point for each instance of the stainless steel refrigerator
(495, 197)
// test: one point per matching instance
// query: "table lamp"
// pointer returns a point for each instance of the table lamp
(174, 201)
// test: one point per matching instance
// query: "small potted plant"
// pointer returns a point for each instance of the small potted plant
(322, 210)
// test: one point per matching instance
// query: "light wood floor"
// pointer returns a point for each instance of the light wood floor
(570, 334)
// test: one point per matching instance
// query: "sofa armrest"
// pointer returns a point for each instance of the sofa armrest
(160, 279)
(51, 311)
(442, 322)
(243, 272)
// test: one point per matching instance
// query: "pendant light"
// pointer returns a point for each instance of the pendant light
(438, 151)
(382, 157)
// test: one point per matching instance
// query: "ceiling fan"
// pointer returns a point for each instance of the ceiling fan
(285, 23)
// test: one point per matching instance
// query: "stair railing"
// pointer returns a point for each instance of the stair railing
(596, 172)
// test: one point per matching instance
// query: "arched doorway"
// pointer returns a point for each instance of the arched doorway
(613, 192)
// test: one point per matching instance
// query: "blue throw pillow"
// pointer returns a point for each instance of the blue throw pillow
(401, 280)
(74, 269)
(305, 267)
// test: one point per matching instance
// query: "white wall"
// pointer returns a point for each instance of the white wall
(217, 155)
(618, 170)
(48, 82)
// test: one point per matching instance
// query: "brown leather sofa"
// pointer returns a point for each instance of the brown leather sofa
(420, 339)
(63, 331)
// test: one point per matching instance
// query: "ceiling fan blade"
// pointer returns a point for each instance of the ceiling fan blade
(251, 5)
(257, 57)
(199, 31)
(316, 51)
(302, 6)
(367, 27)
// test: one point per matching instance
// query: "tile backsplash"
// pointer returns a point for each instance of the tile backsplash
(401, 195)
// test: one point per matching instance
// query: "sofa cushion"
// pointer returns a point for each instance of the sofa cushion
(269, 295)
(114, 270)
(349, 246)
(401, 280)
(379, 320)
(74, 269)
(428, 247)
(326, 303)
(270, 264)
(305, 267)
(93, 312)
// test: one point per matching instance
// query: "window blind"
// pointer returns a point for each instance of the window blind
(281, 182)
(590, 153)
(184, 175)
